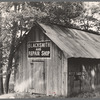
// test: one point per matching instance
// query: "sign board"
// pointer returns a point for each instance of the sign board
(39, 49)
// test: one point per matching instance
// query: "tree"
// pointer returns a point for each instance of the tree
(2, 37)
(20, 16)
(63, 12)
(18, 23)
(11, 55)
(89, 19)
(1, 77)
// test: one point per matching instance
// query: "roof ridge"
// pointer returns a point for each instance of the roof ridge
(90, 31)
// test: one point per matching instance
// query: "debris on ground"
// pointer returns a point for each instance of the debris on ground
(92, 94)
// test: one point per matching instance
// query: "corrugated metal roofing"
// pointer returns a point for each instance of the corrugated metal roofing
(73, 42)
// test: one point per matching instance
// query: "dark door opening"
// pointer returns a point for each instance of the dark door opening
(83, 74)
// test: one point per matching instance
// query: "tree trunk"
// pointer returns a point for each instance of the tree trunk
(11, 56)
(1, 77)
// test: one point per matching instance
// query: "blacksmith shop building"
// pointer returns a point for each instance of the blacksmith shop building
(55, 60)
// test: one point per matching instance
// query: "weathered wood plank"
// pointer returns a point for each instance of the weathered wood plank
(51, 73)
(52, 68)
(37, 38)
(58, 78)
(65, 77)
(42, 37)
(54, 57)
(60, 72)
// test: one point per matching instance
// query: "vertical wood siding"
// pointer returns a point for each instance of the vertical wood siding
(55, 68)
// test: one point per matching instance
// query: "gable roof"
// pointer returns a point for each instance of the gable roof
(73, 42)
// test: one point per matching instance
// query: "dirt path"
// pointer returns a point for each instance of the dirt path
(6, 96)
(27, 95)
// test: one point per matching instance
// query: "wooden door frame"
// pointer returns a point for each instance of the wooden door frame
(43, 74)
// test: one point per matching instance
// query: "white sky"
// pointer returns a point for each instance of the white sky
(90, 4)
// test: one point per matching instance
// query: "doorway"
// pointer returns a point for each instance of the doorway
(38, 77)
(83, 74)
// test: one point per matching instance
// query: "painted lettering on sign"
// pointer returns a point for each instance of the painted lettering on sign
(39, 49)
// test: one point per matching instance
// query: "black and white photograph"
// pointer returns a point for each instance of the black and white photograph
(49, 49)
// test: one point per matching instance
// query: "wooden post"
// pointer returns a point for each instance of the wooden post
(65, 77)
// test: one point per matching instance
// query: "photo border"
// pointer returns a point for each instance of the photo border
(53, 98)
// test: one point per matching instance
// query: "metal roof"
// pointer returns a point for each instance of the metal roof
(73, 42)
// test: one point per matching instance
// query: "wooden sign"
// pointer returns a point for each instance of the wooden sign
(39, 49)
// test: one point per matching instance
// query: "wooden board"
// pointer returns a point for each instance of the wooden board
(54, 82)
(37, 77)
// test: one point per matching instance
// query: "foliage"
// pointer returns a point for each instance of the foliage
(24, 13)
(62, 12)
(89, 19)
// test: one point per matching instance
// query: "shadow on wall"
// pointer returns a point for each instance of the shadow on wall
(83, 75)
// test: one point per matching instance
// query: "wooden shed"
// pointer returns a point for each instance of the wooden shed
(55, 60)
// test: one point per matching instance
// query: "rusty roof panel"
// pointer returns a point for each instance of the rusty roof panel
(74, 43)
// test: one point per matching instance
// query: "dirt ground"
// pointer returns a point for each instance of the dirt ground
(23, 95)
(12, 95)
(93, 94)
